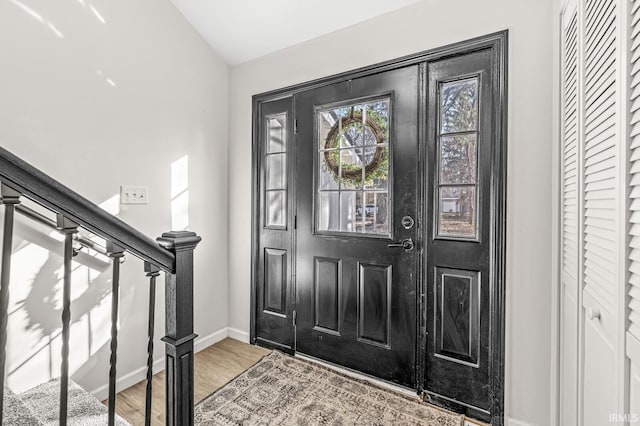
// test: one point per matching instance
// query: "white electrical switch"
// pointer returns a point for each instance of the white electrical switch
(134, 194)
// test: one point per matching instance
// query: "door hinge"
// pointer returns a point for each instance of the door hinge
(295, 126)
(295, 317)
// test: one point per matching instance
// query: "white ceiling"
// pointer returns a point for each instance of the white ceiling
(241, 30)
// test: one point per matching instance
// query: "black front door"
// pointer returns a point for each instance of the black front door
(379, 226)
(356, 174)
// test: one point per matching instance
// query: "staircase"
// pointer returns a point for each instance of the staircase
(61, 401)
(39, 406)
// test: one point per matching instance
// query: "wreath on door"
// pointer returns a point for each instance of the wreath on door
(376, 168)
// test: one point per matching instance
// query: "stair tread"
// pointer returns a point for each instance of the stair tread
(83, 408)
(15, 413)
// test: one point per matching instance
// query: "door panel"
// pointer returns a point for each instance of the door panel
(374, 303)
(457, 311)
(356, 174)
(569, 339)
(275, 282)
(327, 289)
(599, 387)
(634, 392)
(460, 143)
(274, 287)
(599, 393)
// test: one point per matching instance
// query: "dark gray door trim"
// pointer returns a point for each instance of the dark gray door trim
(497, 42)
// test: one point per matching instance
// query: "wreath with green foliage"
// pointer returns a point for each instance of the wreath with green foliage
(376, 168)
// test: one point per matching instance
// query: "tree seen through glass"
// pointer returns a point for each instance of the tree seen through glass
(458, 152)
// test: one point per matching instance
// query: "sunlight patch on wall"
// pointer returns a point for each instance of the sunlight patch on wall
(97, 14)
(22, 334)
(35, 308)
(55, 30)
(38, 17)
(26, 263)
(56, 235)
(109, 81)
(180, 194)
(111, 205)
(99, 326)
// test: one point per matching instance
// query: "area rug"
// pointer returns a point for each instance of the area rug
(282, 390)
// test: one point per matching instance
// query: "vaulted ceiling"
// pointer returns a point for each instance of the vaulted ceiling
(241, 30)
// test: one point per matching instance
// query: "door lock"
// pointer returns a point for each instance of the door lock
(406, 244)
(407, 222)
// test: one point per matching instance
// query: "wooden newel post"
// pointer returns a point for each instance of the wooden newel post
(179, 328)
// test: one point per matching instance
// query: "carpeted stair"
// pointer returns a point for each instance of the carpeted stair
(40, 406)
(15, 412)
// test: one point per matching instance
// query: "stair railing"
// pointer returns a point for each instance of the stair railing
(171, 253)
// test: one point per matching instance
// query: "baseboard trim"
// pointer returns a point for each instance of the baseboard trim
(140, 374)
(213, 338)
(240, 335)
(128, 380)
(513, 422)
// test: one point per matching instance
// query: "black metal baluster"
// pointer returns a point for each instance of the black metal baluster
(152, 272)
(68, 228)
(116, 253)
(9, 198)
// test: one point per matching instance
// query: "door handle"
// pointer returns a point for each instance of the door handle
(593, 314)
(406, 244)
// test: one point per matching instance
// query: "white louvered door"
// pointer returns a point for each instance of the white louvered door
(593, 212)
(633, 329)
(570, 217)
(601, 209)
(603, 202)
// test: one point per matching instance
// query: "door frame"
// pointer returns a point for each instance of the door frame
(498, 42)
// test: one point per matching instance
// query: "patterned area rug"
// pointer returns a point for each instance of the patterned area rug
(282, 390)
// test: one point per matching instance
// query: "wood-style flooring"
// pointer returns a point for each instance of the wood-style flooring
(214, 367)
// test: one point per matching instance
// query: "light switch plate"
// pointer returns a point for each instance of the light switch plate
(134, 194)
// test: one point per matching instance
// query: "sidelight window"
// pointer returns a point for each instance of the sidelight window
(458, 150)
(352, 176)
(276, 172)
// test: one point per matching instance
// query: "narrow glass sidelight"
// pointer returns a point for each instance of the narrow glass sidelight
(458, 159)
(275, 162)
(353, 168)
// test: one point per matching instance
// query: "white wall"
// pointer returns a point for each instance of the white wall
(426, 25)
(100, 93)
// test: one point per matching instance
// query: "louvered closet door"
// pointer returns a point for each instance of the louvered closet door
(570, 217)
(633, 331)
(601, 211)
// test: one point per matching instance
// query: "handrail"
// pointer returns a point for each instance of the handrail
(42, 219)
(172, 252)
(40, 187)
